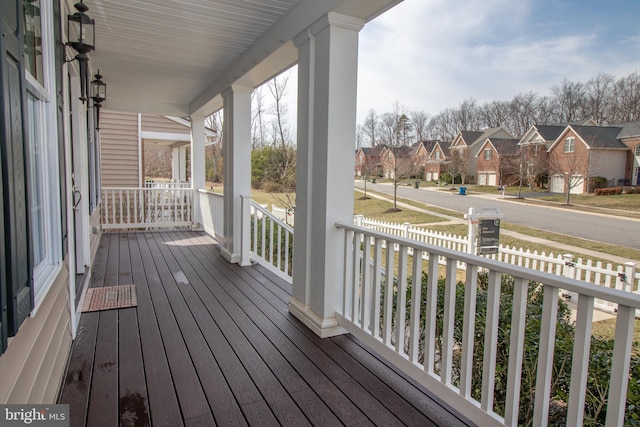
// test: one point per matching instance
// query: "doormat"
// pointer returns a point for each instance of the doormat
(110, 297)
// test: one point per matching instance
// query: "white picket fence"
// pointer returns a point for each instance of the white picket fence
(624, 277)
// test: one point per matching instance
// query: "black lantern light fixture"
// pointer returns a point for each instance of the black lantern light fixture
(98, 94)
(81, 37)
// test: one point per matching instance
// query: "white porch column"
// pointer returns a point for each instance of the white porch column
(197, 166)
(327, 77)
(236, 147)
(179, 163)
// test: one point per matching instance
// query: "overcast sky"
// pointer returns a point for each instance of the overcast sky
(432, 54)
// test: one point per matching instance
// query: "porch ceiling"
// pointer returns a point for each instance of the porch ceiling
(176, 56)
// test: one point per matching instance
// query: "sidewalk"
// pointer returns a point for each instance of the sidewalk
(561, 247)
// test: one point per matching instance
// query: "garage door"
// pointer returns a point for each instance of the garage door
(557, 184)
(436, 176)
(427, 176)
(577, 182)
(482, 178)
(491, 179)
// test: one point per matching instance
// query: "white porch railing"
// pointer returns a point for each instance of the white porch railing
(625, 277)
(167, 185)
(369, 312)
(271, 242)
(131, 208)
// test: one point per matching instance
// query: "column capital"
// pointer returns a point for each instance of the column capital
(335, 19)
(302, 37)
(231, 89)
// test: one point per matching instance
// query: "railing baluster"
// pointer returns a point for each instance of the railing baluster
(516, 350)
(349, 247)
(415, 307)
(388, 294)
(401, 299)
(271, 242)
(580, 364)
(431, 310)
(377, 283)
(279, 247)
(468, 330)
(448, 321)
(356, 278)
(365, 295)
(620, 364)
(490, 341)
(545, 355)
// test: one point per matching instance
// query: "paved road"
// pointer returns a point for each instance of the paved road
(602, 228)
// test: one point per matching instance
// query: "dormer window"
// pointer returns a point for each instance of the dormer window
(487, 154)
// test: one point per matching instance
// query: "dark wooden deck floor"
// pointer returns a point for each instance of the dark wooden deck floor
(211, 343)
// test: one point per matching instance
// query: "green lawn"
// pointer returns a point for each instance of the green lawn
(607, 329)
(620, 201)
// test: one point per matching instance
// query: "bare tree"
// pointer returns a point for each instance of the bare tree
(283, 158)
(370, 127)
(467, 115)
(523, 109)
(420, 121)
(571, 168)
(213, 149)
(495, 114)
(531, 164)
(627, 99)
(443, 125)
(599, 97)
(457, 165)
(258, 126)
(571, 99)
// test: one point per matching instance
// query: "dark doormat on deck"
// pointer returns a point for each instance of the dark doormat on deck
(110, 297)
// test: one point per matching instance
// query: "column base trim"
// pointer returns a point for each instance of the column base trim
(230, 256)
(324, 328)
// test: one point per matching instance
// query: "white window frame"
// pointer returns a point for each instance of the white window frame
(43, 97)
(637, 151)
(487, 154)
(569, 145)
(437, 155)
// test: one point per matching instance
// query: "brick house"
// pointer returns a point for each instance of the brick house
(465, 147)
(368, 160)
(498, 161)
(583, 152)
(437, 161)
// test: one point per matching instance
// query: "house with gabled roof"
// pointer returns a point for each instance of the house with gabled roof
(398, 162)
(466, 145)
(436, 161)
(584, 152)
(368, 160)
(498, 161)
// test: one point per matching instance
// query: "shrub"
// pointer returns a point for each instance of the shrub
(596, 182)
(632, 190)
(608, 191)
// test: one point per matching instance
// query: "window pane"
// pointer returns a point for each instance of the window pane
(33, 39)
(36, 147)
